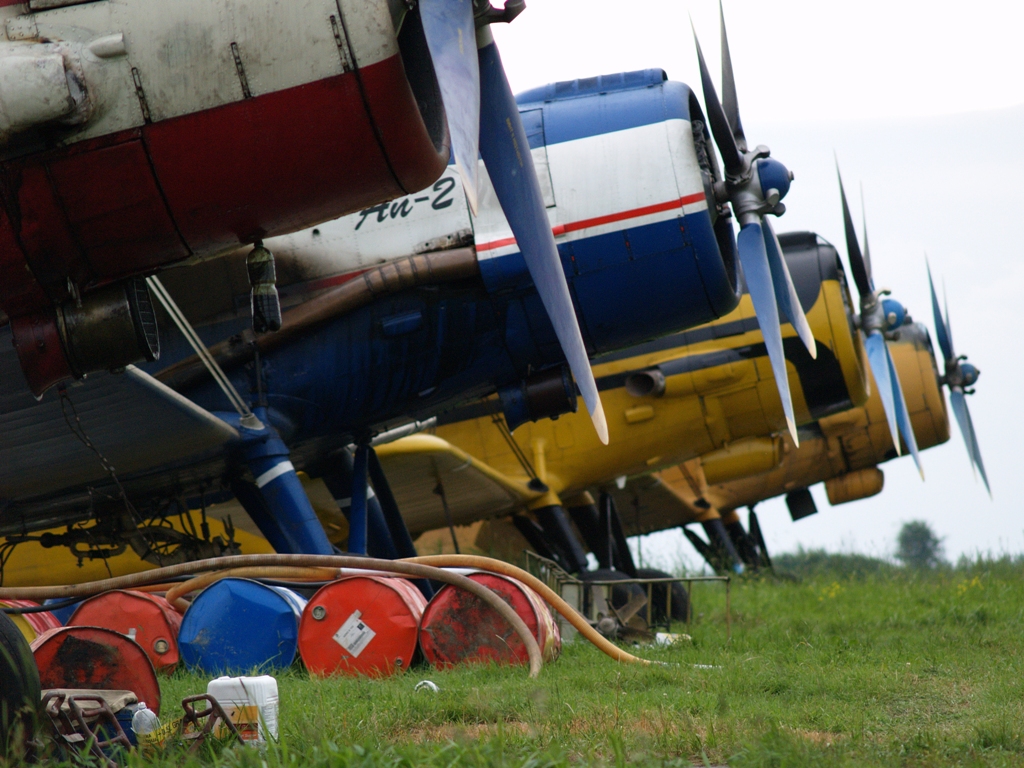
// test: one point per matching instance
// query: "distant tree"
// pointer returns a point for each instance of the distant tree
(917, 546)
(817, 563)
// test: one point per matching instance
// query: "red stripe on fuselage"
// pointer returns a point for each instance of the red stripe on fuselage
(107, 208)
(597, 221)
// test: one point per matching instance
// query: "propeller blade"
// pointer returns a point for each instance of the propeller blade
(963, 418)
(959, 401)
(878, 359)
(864, 222)
(729, 101)
(785, 293)
(758, 274)
(941, 332)
(903, 414)
(451, 37)
(861, 273)
(949, 323)
(506, 154)
(716, 117)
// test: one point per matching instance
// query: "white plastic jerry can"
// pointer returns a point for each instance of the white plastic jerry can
(251, 703)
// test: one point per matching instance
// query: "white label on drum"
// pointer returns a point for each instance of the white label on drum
(354, 635)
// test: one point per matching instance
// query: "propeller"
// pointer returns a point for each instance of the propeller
(754, 185)
(879, 319)
(960, 377)
(484, 121)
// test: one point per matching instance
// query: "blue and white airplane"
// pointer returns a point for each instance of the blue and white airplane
(403, 311)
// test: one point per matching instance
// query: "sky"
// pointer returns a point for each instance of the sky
(926, 111)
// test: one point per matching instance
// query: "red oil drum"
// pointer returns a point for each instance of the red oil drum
(147, 619)
(31, 625)
(361, 625)
(94, 657)
(457, 626)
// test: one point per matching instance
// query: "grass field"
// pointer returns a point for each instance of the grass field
(855, 663)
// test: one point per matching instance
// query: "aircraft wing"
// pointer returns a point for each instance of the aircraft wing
(133, 420)
(647, 503)
(415, 466)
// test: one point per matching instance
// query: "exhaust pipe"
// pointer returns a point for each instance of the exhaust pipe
(108, 329)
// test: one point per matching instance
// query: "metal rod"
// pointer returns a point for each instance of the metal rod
(728, 610)
(650, 604)
(668, 608)
(179, 319)
(439, 490)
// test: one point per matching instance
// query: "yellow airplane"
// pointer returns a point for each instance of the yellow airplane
(841, 449)
(706, 395)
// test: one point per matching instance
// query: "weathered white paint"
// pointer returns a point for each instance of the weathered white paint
(33, 87)
(182, 50)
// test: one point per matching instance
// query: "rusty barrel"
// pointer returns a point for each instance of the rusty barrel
(239, 625)
(148, 619)
(31, 625)
(457, 626)
(95, 657)
(361, 625)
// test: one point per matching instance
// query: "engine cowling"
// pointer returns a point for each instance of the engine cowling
(647, 249)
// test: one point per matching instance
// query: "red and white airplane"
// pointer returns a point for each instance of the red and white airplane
(135, 134)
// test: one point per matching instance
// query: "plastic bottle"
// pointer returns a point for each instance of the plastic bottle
(145, 720)
(251, 703)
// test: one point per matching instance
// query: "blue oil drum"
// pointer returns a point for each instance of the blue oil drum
(62, 614)
(238, 626)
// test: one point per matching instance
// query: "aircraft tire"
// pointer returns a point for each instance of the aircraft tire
(19, 688)
(680, 598)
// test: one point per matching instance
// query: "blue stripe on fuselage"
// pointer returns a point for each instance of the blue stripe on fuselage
(553, 117)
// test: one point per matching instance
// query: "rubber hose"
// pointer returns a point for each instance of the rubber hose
(202, 581)
(416, 570)
(552, 597)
